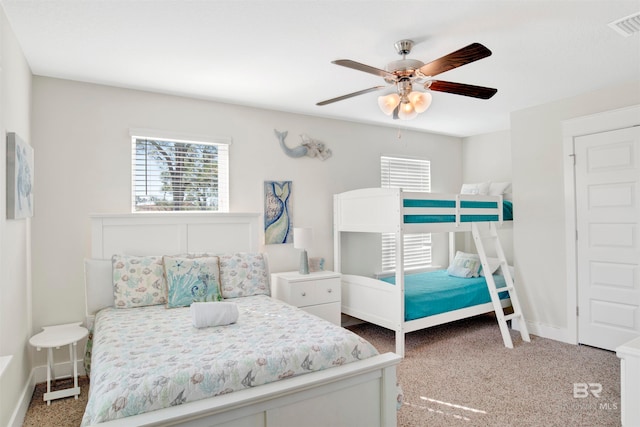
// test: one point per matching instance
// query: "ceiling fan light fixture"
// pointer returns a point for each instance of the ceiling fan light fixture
(388, 103)
(420, 101)
(406, 111)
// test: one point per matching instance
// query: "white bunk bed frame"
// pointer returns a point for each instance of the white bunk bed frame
(318, 398)
(382, 210)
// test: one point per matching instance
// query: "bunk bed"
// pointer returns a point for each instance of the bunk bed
(389, 210)
(150, 366)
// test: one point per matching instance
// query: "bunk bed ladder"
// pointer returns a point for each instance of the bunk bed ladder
(502, 318)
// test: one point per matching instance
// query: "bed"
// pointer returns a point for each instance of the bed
(387, 210)
(275, 366)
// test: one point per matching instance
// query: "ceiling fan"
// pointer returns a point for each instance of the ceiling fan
(404, 73)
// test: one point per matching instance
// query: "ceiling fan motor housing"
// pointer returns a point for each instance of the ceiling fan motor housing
(403, 68)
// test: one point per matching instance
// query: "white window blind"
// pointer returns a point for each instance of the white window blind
(179, 175)
(411, 175)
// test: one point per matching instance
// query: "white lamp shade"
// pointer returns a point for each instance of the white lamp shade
(388, 103)
(406, 111)
(302, 237)
(420, 101)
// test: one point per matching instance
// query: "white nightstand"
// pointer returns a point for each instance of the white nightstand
(54, 337)
(317, 293)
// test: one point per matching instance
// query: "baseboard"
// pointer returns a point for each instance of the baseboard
(545, 331)
(17, 418)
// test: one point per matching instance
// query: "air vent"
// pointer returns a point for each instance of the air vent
(628, 25)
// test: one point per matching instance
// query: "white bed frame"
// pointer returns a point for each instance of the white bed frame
(381, 210)
(358, 393)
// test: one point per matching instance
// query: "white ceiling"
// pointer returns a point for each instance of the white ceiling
(277, 54)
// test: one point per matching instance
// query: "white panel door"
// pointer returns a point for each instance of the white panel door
(608, 246)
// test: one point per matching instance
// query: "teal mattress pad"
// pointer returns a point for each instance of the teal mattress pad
(507, 211)
(435, 292)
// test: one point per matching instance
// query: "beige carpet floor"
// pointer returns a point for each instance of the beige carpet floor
(66, 412)
(461, 374)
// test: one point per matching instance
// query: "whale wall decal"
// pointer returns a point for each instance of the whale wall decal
(309, 147)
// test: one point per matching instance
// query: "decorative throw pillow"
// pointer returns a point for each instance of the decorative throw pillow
(465, 260)
(191, 280)
(243, 275)
(138, 281)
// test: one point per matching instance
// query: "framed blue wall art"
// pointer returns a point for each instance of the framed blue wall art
(19, 178)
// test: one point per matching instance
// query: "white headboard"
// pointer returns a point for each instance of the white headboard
(173, 233)
(161, 234)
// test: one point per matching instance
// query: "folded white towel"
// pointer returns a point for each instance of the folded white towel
(205, 314)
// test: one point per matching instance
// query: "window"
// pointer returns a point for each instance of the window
(410, 175)
(177, 174)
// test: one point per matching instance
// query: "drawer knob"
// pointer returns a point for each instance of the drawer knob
(304, 294)
(329, 290)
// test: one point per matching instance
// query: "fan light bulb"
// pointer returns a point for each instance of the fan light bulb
(388, 103)
(420, 101)
(406, 111)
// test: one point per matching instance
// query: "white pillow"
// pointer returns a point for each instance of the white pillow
(499, 188)
(98, 283)
(494, 264)
(458, 271)
(465, 260)
(481, 188)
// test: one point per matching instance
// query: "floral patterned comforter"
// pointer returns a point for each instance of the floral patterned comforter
(149, 358)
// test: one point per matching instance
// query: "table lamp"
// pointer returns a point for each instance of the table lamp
(302, 238)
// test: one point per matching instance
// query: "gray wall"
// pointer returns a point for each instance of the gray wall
(82, 133)
(538, 193)
(15, 244)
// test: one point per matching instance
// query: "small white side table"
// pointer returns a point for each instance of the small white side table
(54, 337)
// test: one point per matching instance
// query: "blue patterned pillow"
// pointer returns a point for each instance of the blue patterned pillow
(191, 280)
(138, 281)
(243, 274)
(465, 260)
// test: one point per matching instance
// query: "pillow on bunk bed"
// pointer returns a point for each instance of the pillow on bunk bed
(499, 188)
(138, 281)
(494, 264)
(481, 188)
(457, 271)
(463, 261)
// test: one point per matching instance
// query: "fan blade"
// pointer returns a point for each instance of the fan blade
(363, 67)
(350, 95)
(466, 55)
(461, 89)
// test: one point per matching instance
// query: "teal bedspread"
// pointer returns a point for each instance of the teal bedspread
(435, 292)
(507, 211)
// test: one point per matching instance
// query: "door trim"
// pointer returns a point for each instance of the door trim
(571, 129)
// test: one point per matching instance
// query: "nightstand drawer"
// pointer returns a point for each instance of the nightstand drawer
(313, 292)
(330, 312)
(317, 293)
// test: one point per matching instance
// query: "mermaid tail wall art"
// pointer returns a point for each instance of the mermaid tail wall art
(277, 214)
